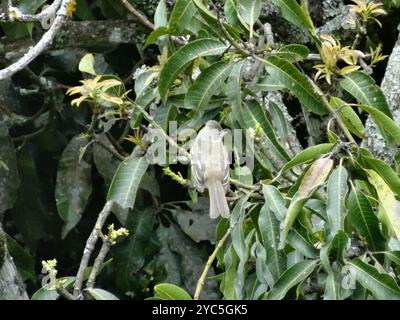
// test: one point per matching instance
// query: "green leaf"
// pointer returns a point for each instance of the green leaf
(308, 155)
(100, 294)
(364, 89)
(381, 285)
(364, 220)
(287, 74)
(22, 259)
(237, 234)
(275, 201)
(207, 84)
(131, 255)
(338, 244)
(74, 184)
(269, 83)
(385, 171)
(385, 123)
(302, 245)
(337, 191)
(180, 59)
(291, 277)
(154, 35)
(181, 15)
(232, 15)
(293, 13)
(48, 292)
(293, 52)
(254, 115)
(87, 64)
(348, 116)
(269, 230)
(249, 11)
(126, 182)
(393, 256)
(168, 291)
(234, 92)
(389, 206)
(315, 176)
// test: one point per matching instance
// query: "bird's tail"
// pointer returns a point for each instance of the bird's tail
(218, 203)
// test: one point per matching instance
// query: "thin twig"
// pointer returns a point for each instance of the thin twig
(114, 152)
(64, 293)
(105, 248)
(140, 16)
(201, 281)
(90, 244)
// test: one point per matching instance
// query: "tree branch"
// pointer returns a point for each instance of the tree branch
(140, 16)
(44, 42)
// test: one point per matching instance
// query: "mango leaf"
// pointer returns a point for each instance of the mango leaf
(253, 114)
(207, 84)
(232, 15)
(287, 74)
(180, 59)
(386, 124)
(307, 155)
(275, 201)
(269, 83)
(364, 220)
(100, 294)
(249, 10)
(87, 64)
(381, 285)
(348, 116)
(154, 35)
(48, 292)
(302, 245)
(337, 191)
(291, 277)
(393, 256)
(23, 260)
(181, 15)
(131, 255)
(168, 291)
(293, 52)
(364, 89)
(269, 230)
(338, 244)
(74, 184)
(315, 176)
(126, 182)
(293, 13)
(389, 206)
(385, 171)
(234, 92)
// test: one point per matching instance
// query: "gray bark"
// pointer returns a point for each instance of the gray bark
(11, 285)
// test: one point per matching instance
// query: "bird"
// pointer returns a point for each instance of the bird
(210, 167)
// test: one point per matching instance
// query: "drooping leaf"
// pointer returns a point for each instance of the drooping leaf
(249, 10)
(365, 90)
(287, 74)
(381, 285)
(338, 244)
(386, 125)
(234, 92)
(125, 184)
(389, 206)
(302, 245)
(180, 59)
(348, 116)
(269, 83)
(131, 255)
(364, 220)
(315, 176)
(23, 260)
(275, 201)
(156, 34)
(269, 229)
(307, 155)
(295, 14)
(74, 184)
(181, 14)
(207, 84)
(385, 171)
(337, 191)
(291, 277)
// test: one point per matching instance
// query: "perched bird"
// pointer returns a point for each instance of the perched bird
(210, 167)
